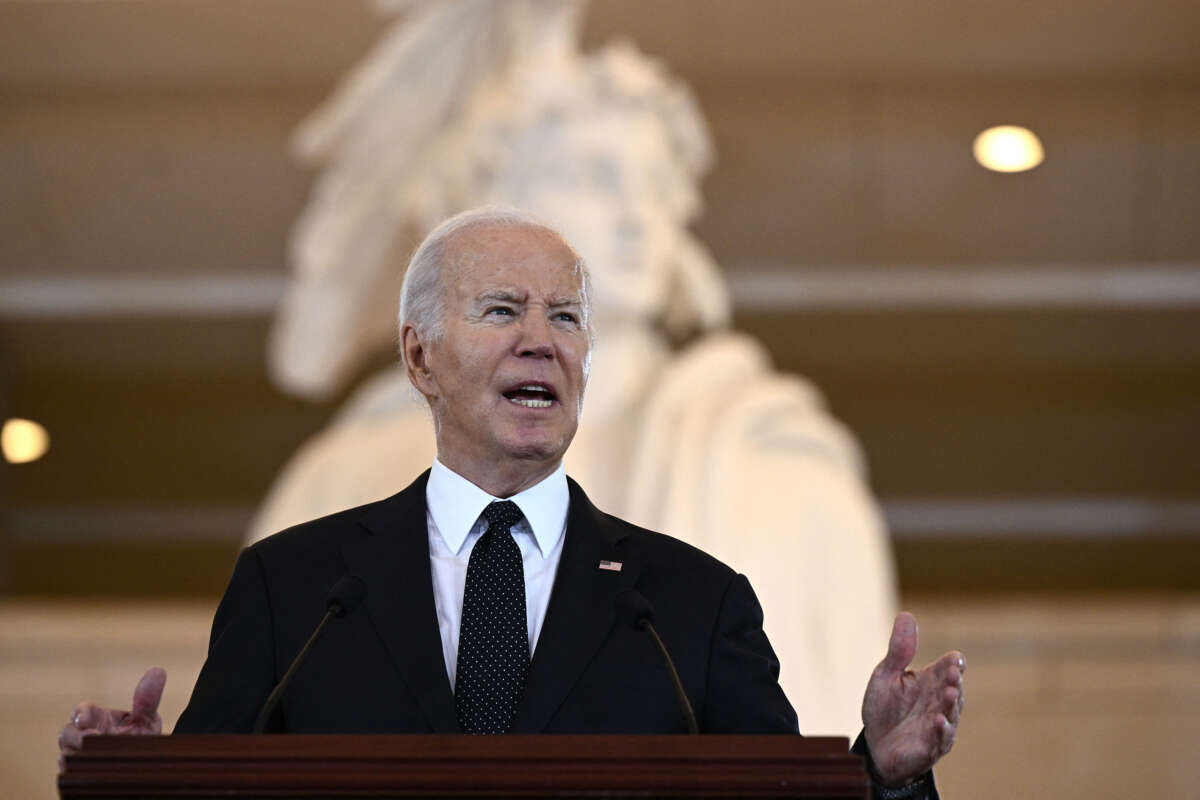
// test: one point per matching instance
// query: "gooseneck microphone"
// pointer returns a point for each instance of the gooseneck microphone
(635, 610)
(344, 597)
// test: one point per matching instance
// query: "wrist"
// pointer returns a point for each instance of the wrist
(889, 789)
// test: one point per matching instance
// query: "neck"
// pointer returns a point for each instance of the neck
(501, 479)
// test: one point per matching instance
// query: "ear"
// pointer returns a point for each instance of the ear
(415, 351)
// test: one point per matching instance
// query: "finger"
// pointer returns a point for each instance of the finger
(902, 647)
(950, 705)
(148, 695)
(948, 670)
(89, 716)
(956, 693)
(70, 738)
(70, 741)
(947, 732)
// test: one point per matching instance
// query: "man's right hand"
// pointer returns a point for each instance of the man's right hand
(142, 719)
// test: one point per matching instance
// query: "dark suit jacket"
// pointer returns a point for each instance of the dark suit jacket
(380, 669)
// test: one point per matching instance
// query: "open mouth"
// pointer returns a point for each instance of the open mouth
(531, 395)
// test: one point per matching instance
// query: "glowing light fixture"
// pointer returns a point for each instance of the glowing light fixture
(1008, 148)
(23, 440)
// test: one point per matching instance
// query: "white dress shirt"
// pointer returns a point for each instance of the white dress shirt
(452, 511)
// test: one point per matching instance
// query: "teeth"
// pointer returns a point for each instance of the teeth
(530, 402)
(533, 387)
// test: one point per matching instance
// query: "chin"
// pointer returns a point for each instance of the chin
(536, 452)
(538, 449)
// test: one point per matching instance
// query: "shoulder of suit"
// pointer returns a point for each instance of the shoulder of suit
(665, 551)
(332, 530)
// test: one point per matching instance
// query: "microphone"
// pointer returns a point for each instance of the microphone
(635, 610)
(344, 597)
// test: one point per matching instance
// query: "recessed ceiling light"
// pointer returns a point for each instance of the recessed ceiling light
(1008, 148)
(23, 440)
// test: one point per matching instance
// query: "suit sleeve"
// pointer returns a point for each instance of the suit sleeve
(240, 671)
(744, 695)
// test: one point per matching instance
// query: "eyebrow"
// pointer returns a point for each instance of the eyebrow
(506, 296)
(498, 295)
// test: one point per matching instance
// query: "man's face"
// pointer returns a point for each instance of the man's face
(506, 380)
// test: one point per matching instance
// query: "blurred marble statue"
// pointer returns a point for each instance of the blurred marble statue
(491, 102)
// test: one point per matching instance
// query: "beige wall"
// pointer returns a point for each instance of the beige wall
(1073, 698)
(1066, 698)
(55, 654)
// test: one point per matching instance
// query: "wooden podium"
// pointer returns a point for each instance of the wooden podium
(463, 766)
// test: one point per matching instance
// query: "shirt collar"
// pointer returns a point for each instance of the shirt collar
(455, 505)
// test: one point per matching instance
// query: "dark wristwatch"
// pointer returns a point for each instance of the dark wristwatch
(917, 790)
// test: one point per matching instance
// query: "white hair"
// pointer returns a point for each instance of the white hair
(422, 302)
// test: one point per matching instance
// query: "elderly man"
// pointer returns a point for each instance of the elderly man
(492, 581)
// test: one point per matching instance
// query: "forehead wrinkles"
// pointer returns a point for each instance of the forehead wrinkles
(486, 251)
(517, 295)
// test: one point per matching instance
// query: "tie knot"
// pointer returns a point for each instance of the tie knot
(502, 514)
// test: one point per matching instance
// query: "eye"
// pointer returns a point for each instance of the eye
(566, 316)
(504, 311)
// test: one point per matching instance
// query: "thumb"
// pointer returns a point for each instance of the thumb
(902, 647)
(148, 694)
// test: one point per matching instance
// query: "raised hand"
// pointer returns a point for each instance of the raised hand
(910, 718)
(89, 719)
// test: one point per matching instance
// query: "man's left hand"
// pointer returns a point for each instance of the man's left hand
(910, 718)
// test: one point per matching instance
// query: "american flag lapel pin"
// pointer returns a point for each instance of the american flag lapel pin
(611, 566)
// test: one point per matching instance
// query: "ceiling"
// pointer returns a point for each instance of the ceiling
(140, 43)
(146, 141)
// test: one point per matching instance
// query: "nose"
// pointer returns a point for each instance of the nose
(535, 339)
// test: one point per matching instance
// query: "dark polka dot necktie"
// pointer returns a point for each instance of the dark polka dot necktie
(493, 637)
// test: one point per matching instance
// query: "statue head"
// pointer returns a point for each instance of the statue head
(506, 111)
(612, 153)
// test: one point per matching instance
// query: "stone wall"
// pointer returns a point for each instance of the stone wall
(1066, 698)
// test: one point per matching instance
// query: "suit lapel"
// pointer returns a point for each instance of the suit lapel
(580, 614)
(394, 563)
